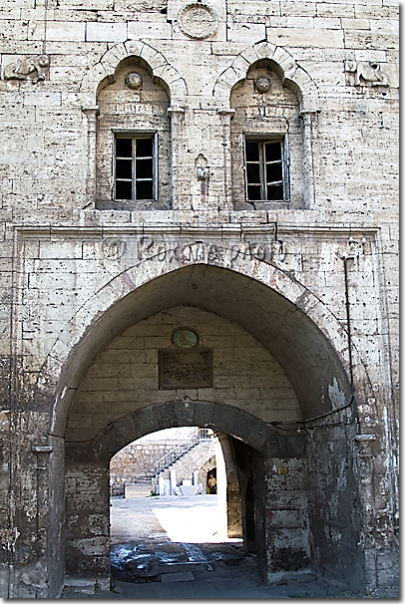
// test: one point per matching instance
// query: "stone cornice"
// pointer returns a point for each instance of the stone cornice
(227, 230)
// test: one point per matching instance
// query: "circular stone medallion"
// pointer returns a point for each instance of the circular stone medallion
(184, 338)
(262, 85)
(133, 80)
(197, 21)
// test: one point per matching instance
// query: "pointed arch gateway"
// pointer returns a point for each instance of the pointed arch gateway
(286, 318)
(303, 477)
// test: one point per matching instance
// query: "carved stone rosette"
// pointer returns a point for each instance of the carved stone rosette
(197, 21)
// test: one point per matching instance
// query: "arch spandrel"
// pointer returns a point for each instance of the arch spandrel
(294, 325)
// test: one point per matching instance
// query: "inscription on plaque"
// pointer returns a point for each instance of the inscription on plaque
(185, 369)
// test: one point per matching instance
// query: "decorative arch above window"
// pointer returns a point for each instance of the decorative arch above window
(295, 83)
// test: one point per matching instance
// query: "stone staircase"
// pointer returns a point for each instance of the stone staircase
(179, 460)
(177, 453)
(180, 477)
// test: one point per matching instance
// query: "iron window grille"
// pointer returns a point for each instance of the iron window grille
(266, 170)
(135, 169)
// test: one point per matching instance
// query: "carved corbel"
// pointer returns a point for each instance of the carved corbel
(353, 248)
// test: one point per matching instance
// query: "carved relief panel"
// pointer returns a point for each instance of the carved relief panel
(365, 74)
(29, 69)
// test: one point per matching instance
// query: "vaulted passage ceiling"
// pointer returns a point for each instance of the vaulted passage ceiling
(307, 357)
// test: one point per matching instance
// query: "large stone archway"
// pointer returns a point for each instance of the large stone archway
(303, 470)
(292, 323)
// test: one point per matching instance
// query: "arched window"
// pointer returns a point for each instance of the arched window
(133, 146)
(266, 142)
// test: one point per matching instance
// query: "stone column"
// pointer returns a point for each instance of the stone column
(173, 482)
(42, 453)
(91, 113)
(226, 116)
(176, 115)
(308, 118)
(365, 470)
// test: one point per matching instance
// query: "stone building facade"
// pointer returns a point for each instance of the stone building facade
(199, 227)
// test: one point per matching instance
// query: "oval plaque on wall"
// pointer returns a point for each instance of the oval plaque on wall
(185, 338)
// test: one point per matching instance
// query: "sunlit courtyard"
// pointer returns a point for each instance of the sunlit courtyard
(194, 519)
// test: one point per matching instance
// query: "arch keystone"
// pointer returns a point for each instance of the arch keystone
(133, 47)
(264, 50)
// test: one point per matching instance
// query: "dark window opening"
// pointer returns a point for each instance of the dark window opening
(135, 173)
(265, 170)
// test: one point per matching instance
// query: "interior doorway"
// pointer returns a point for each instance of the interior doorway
(168, 513)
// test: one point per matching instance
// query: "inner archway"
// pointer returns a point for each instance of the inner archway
(88, 471)
(164, 518)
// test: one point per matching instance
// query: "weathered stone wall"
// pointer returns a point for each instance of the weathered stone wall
(287, 545)
(333, 499)
(87, 552)
(75, 277)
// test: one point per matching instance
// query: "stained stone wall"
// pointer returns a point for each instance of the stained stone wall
(312, 280)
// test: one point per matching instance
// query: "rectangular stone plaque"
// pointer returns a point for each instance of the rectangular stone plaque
(185, 369)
